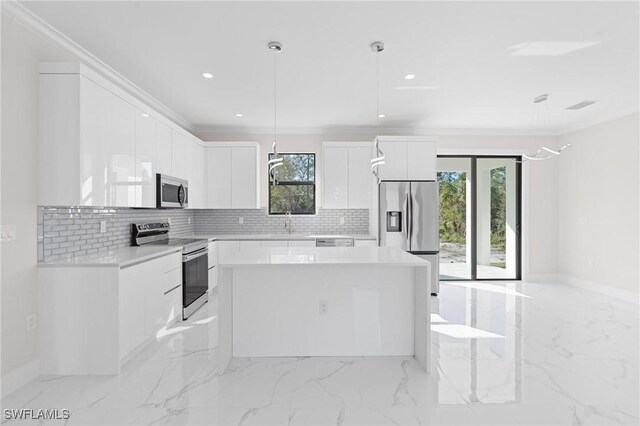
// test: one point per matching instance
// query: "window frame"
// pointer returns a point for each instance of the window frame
(295, 183)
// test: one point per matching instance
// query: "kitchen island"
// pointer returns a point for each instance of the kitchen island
(326, 301)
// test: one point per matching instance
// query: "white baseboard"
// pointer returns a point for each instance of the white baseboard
(14, 380)
(541, 278)
(618, 293)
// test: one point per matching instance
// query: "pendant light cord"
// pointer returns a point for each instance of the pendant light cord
(275, 94)
(377, 93)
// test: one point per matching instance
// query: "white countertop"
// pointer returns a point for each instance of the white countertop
(382, 256)
(120, 258)
(277, 237)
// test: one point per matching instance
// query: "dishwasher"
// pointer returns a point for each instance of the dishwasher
(334, 242)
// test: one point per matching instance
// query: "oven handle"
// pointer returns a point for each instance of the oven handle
(188, 257)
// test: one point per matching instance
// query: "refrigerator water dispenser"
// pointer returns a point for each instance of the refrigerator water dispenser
(394, 220)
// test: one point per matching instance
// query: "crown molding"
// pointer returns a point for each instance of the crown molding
(48, 33)
(396, 131)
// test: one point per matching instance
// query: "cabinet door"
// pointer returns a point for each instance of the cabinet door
(218, 178)
(163, 148)
(131, 302)
(302, 243)
(121, 154)
(196, 180)
(178, 154)
(365, 243)
(243, 178)
(244, 245)
(145, 160)
(421, 160)
(359, 177)
(95, 129)
(395, 167)
(336, 177)
(273, 243)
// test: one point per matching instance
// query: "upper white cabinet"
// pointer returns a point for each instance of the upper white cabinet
(195, 173)
(163, 148)
(99, 146)
(408, 158)
(179, 143)
(232, 175)
(146, 159)
(346, 175)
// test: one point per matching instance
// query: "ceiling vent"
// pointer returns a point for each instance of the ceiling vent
(581, 105)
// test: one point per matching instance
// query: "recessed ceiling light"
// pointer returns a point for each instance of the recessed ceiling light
(207, 75)
(581, 105)
(238, 114)
(409, 76)
(549, 48)
(381, 116)
(145, 115)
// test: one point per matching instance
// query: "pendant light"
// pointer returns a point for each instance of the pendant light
(276, 159)
(541, 119)
(378, 160)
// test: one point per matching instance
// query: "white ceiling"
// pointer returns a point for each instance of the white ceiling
(326, 74)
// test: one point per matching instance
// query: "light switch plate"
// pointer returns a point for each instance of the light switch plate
(240, 220)
(103, 226)
(341, 220)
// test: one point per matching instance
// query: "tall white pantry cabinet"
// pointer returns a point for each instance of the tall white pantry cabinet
(99, 146)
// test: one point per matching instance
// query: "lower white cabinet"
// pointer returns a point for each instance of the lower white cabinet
(365, 243)
(150, 298)
(301, 243)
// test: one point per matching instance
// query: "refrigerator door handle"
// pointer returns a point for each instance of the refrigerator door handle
(410, 217)
(407, 219)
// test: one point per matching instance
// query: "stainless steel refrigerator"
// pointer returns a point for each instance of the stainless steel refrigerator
(408, 220)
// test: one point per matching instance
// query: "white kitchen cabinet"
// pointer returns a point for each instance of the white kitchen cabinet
(244, 189)
(244, 245)
(94, 146)
(421, 160)
(301, 243)
(408, 158)
(360, 186)
(365, 243)
(218, 177)
(131, 304)
(395, 167)
(232, 175)
(195, 174)
(274, 243)
(121, 154)
(346, 176)
(335, 176)
(146, 160)
(178, 154)
(163, 148)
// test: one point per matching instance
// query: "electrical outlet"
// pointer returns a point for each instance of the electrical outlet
(32, 322)
(341, 220)
(591, 263)
(323, 307)
(103, 226)
(240, 220)
(8, 232)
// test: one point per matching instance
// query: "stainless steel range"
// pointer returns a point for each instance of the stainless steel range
(195, 267)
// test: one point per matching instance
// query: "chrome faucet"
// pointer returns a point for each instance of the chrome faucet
(287, 222)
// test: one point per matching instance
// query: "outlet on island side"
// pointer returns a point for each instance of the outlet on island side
(32, 322)
(323, 307)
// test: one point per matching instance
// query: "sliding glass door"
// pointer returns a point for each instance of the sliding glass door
(480, 201)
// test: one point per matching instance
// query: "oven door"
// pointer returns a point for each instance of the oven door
(171, 192)
(195, 278)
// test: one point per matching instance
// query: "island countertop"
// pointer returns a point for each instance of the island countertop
(381, 256)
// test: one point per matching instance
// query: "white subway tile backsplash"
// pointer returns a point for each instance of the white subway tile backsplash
(68, 232)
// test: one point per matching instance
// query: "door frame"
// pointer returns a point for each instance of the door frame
(474, 214)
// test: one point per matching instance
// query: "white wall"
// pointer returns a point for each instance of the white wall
(21, 52)
(598, 204)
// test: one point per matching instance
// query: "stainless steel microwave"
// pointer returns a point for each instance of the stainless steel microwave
(171, 192)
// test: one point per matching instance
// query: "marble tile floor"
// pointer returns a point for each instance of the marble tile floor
(503, 354)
